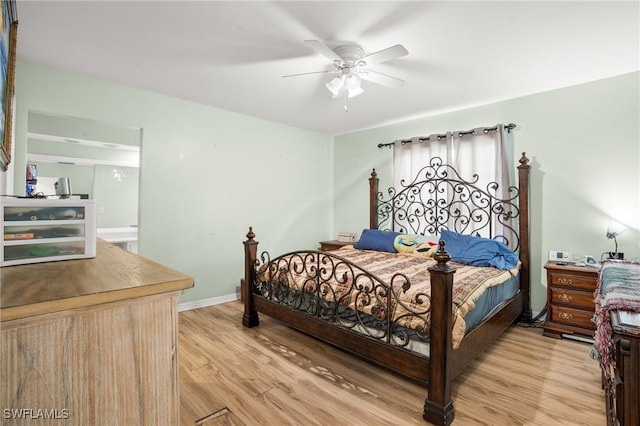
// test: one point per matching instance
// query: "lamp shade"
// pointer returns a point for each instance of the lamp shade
(615, 229)
(352, 93)
(335, 85)
(352, 81)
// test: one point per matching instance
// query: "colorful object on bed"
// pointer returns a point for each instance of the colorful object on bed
(375, 239)
(420, 245)
(618, 289)
(478, 251)
(409, 306)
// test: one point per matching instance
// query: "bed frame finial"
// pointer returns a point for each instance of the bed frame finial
(524, 161)
(441, 256)
(250, 234)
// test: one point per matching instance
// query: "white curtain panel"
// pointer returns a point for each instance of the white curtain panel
(409, 162)
(489, 154)
(410, 158)
(484, 152)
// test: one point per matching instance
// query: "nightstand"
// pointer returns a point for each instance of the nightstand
(333, 245)
(570, 300)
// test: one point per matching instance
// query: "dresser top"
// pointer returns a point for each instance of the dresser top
(570, 267)
(113, 275)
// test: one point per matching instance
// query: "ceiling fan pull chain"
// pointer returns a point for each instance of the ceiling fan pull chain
(346, 96)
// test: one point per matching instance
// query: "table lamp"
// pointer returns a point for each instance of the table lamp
(613, 231)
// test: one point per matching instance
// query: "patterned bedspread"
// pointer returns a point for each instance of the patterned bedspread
(408, 305)
(618, 289)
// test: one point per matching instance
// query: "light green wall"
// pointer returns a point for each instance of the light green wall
(116, 192)
(206, 174)
(584, 145)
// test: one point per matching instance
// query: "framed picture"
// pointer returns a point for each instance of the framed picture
(9, 29)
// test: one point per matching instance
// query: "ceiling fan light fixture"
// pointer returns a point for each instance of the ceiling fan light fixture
(352, 93)
(335, 86)
(352, 81)
(350, 64)
(348, 84)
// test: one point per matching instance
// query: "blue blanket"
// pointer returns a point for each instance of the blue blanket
(478, 251)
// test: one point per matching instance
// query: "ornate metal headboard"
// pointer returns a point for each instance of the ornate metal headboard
(439, 198)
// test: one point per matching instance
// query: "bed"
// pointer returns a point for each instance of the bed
(403, 310)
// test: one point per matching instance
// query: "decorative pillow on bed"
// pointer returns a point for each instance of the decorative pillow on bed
(478, 251)
(423, 245)
(375, 239)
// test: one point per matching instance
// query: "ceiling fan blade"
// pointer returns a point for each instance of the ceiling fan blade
(322, 49)
(382, 79)
(307, 73)
(386, 54)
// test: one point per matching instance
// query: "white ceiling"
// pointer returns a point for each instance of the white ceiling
(232, 55)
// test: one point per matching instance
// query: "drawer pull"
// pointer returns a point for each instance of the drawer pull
(565, 298)
(563, 280)
(565, 316)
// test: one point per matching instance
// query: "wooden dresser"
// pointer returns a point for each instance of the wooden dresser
(626, 405)
(91, 341)
(570, 300)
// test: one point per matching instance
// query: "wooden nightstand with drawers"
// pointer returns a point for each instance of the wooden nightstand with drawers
(333, 245)
(570, 300)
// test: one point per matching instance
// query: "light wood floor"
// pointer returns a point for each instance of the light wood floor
(273, 375)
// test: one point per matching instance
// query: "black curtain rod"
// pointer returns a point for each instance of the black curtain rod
(509, 127)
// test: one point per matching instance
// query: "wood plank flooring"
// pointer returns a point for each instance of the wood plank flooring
(273, 375)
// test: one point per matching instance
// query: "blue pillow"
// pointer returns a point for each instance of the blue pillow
(478, 251)
(375, 239)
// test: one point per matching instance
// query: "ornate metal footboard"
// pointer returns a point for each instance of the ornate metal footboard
(333, 289)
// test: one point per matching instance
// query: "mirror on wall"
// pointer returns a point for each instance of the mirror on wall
(100, 160)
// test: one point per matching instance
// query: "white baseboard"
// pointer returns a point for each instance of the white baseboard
(187, 306)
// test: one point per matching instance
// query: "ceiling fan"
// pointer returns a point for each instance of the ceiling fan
(351, 66)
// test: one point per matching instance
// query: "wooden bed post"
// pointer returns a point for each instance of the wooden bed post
(438, 407)
(523, 222)
(373, 200)
(250, 316)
